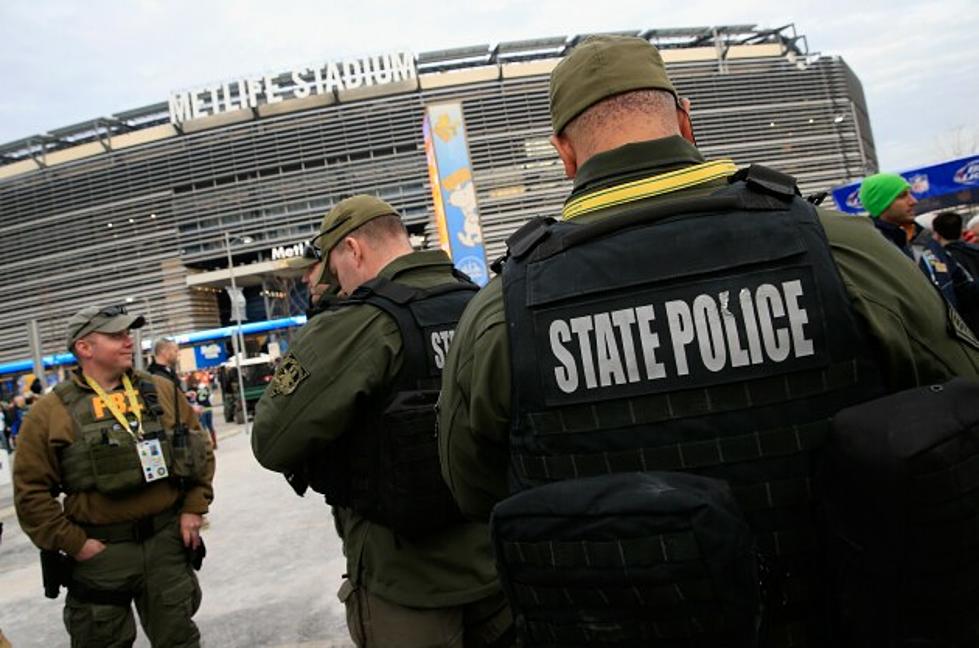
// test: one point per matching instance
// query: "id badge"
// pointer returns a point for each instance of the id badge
(151, 458)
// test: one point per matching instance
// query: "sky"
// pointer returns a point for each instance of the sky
(65, 62)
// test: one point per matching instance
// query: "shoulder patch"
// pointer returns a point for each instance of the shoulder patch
(288, 376)
(959, 329)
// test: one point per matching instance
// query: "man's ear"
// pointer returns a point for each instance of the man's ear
(565, 151)
(83, 348)
(353, 246)
(683, 120)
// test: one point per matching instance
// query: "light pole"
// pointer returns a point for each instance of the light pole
(138, 334)
(237, 339)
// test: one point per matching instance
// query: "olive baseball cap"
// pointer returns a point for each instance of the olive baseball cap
(600, 67)
(93, 319)
(346, 216)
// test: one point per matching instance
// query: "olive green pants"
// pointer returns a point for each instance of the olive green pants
(376, 623)
(163, 586)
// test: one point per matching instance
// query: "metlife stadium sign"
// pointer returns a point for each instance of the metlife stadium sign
(300, 83)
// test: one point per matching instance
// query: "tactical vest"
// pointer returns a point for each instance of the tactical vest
(388, 470)
(707, 335)
(104, 456)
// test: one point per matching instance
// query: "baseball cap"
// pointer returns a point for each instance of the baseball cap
(600, 67)
(93, 319)
(346, 216)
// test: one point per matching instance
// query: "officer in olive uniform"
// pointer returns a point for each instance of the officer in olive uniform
(136, 471)
(350, 412)
(613, 342)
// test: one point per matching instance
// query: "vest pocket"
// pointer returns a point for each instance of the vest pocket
(189, 455)
(117, 468)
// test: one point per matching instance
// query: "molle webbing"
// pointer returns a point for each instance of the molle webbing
(101, 457)
(659, 557)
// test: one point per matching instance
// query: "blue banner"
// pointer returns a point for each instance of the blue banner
(454, 196)
(210, 355)
(955, 182)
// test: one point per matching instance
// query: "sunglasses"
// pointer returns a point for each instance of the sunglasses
(108, 311)
(311, 252)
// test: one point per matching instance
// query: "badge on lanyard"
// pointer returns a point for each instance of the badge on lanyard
(151, 458)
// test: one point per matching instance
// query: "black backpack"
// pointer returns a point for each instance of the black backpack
(899, 484)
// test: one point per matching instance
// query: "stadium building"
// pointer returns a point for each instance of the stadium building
(135, 207)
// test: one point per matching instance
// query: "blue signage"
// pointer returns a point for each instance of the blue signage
(955, 182)
(210, 354)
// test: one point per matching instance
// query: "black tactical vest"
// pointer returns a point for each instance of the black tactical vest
(388, 470)
(708, 335)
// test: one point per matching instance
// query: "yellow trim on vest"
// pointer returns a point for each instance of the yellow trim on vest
(648, 187)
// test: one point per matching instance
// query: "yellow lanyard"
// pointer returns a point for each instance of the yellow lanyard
(647, 187)
(133, 405)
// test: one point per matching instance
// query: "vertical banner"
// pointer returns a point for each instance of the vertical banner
(453, 193)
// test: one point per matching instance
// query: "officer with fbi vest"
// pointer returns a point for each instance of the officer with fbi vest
(351, 413)
(135, 470)
(650, 375)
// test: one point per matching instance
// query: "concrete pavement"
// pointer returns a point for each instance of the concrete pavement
(273, 566)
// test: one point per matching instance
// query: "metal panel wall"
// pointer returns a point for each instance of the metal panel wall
(272, 179)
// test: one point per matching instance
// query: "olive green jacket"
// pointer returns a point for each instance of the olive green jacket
(917, 341)
(48, 429)
(342, 359)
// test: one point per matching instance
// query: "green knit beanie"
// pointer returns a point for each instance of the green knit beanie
(878, 192)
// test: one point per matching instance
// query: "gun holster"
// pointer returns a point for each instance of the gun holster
(55, 572)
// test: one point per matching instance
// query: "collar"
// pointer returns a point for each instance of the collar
(414, 261)
(635, 160)
(78, 377)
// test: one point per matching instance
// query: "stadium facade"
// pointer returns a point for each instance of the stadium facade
(134, 207)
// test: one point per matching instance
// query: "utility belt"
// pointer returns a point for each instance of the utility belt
(57, 568)
(139, 530)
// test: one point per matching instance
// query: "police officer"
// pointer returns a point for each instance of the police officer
(612, 342)
(136, 481)
(350, 411)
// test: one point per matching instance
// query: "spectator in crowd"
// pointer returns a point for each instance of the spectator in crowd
(18, 412)
(165, 354)
(947, 228)
(200, 397)
(971, 233)
(888, 199)
(4, 428)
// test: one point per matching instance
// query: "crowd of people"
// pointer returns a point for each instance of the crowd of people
(692, 408)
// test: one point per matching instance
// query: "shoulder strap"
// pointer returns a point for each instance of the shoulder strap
(396, 299)
(768, 181)
(68, 393)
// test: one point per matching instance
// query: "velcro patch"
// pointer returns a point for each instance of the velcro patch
(959, 329)
(288, 376)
